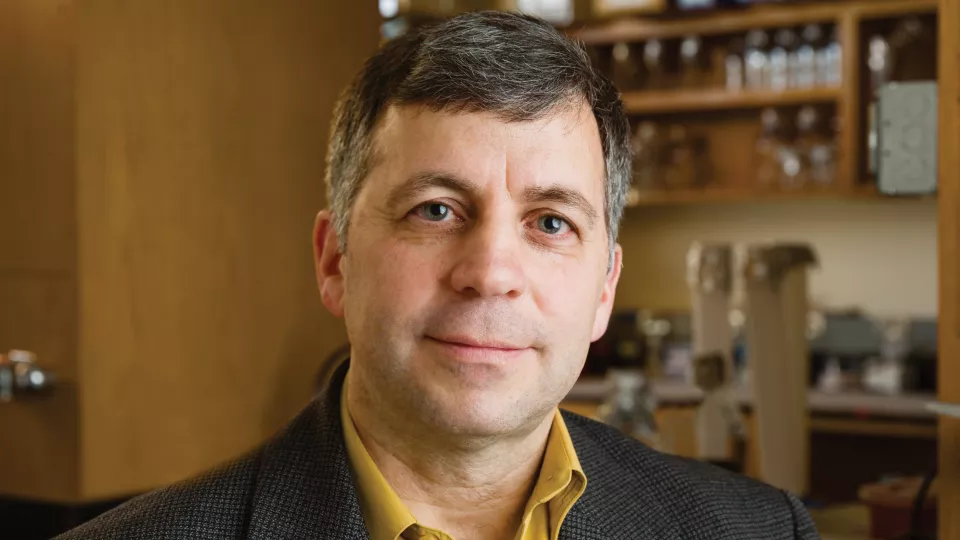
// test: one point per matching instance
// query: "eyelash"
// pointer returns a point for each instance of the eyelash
(417, 210)
(453, 212)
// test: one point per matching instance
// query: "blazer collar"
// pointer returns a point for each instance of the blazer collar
(618, 501)
(305, 486)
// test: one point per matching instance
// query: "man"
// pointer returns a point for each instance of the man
(477, 175)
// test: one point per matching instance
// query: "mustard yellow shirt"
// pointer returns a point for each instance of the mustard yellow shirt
(559, 485)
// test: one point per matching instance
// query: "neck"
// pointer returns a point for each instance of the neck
(467, 487)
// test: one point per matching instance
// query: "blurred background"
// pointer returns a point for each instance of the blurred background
(779, 313)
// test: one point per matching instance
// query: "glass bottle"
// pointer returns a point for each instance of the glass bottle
(625, 70)
(879, 63)
(805, 75)
(792, 173)
(630, 406)
(816, 148)
(646, 152)
(733, 67)
(556, 12)
(691, 62)
(389, 8)
(887, 374)
(780, 59)
(830, 61)
(793, 59)
(767, 150)
(653, 61)
(393, 28)
(679, 163)
(756, 60)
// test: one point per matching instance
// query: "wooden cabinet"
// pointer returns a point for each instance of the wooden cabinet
(161, 164)
(726, 123)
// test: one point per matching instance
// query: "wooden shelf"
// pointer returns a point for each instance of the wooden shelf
(647, 102)
(898, 8)
(742, 20)
(876, 428)
(669, 197)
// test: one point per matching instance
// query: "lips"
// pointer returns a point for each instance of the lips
(466, 341)
(463, 351)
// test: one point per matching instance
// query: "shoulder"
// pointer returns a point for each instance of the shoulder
(212, 506)
(692, 498)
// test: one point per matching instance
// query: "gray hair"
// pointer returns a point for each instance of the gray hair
(515, 66)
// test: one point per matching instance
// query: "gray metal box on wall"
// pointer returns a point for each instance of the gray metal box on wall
(908, 138)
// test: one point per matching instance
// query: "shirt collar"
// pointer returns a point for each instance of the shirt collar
(384, 513)
(560, 483)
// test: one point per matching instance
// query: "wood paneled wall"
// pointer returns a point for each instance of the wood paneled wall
(200, 131)
(38, 224)
(201, 157)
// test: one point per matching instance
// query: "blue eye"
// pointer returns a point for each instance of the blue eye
(552, 224)
(434, 211)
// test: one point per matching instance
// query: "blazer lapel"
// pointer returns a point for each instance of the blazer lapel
(305, 485)
(616, 504)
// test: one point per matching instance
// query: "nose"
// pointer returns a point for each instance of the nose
(490, 263)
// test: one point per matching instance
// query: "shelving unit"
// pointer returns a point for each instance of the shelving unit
(660, 102)
(669, 197)
(729, 112)
(743, 20)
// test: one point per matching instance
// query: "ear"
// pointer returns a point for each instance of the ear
(326, 258)
(602, 317)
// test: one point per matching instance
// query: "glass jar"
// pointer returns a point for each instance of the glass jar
(805, 74)
(653, 61)
(692, 74)
(817, 149)
(625, 68)
(732, 67)
(630, 406)
(680, 167)
(646, 155)
(830, 61)
(767, 150)
(879, 63)
(756, 60)
(782, 59)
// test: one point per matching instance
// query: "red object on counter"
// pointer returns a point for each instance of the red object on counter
(891, 507)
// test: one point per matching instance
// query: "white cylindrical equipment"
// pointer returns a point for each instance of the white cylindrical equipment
(775, 277)
(709, 270)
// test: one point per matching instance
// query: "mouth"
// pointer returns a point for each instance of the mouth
(470, 350)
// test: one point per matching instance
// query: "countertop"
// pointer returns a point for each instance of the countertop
(674, 392)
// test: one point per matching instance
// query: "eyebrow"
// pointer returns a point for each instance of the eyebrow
(565, 196)
(424, 181)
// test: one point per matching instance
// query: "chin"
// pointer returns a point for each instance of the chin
(482, 413)
(476, 426)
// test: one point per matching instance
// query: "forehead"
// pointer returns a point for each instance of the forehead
(562, 148)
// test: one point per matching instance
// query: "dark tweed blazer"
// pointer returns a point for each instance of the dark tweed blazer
(299, 486)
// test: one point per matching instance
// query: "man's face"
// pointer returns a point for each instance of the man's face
(476, 270)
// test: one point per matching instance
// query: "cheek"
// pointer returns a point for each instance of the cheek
(567, 299)
(393, 282)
